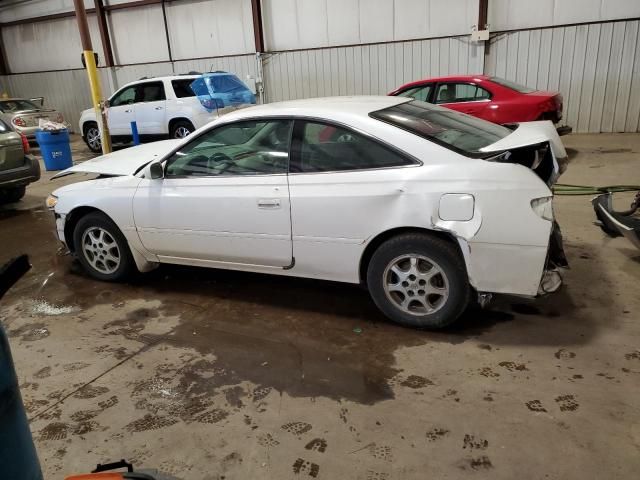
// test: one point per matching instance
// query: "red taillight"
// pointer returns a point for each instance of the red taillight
(25, 144)
(558, 101)
(19, 122)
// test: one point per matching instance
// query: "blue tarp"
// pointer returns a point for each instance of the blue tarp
(221, 89)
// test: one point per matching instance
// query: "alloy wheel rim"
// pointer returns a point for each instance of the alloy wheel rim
(182, 132)
(101, 250)
(93, 138)
(416, 284)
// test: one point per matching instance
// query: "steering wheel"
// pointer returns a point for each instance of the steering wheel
(345, 137)
(223, 159)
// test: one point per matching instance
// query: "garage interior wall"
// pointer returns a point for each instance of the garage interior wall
(586, 49)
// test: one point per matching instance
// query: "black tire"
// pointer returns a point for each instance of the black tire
(448, 261)
(177, 129)
(91, 222)
(10, 195)
(89, 130)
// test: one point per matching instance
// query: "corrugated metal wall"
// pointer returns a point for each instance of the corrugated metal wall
(596, 68)
(366, 70)
(296, 24)
(68, 91)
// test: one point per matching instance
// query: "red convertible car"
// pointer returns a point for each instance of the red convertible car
(490, 98)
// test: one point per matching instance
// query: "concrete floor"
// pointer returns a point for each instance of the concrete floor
(208, 374)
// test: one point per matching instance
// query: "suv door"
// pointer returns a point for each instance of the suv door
(121, 111)
(150, 108)
(463, 97)
(224, 198)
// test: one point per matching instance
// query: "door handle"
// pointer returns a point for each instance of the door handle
(158, 108)
(128, 111)
(269, 203)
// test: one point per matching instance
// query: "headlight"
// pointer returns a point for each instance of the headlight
(51, 202)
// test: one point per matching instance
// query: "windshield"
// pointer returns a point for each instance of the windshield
(512, 85)
(460, 132)
(8, 106)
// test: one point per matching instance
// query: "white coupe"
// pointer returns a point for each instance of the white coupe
(425, 206)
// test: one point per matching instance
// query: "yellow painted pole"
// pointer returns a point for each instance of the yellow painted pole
(96, 97)
(92, 72)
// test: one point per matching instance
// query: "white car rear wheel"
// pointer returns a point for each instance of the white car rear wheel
(419, 280)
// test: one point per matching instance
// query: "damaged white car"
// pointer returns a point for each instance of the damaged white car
(425, 206)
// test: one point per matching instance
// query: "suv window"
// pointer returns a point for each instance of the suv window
(182, 88)
(454, 130)
(150, 92)
(422, 93)
(124, 97)
(460, 92)
(324, 147)
(241, 148)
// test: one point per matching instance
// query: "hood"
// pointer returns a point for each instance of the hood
(123, 162)
(530, 133)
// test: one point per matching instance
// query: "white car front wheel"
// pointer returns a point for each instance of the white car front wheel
(101, 248)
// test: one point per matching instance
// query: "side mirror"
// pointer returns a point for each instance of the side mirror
(154, 171)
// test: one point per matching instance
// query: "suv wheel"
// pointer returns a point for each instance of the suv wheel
(419, 280)
(92, 137)
(181, 129)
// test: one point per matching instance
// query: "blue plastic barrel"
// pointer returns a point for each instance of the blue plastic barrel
(55, 149)
(18, 457)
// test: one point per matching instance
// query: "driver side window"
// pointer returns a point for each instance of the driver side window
(124, 97)
(241, 148)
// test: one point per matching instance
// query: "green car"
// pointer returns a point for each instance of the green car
(17, 169)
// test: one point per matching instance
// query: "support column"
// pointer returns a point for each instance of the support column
(92, 73)
(104, 33)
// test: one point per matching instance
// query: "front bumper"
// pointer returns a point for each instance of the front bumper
(60, 221)
(17, 177)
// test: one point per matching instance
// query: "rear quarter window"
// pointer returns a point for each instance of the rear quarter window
(182, 88)
(456, 131)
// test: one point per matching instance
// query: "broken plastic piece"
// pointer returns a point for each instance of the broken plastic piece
(484, 299)
(551, 282)
(616, 224)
